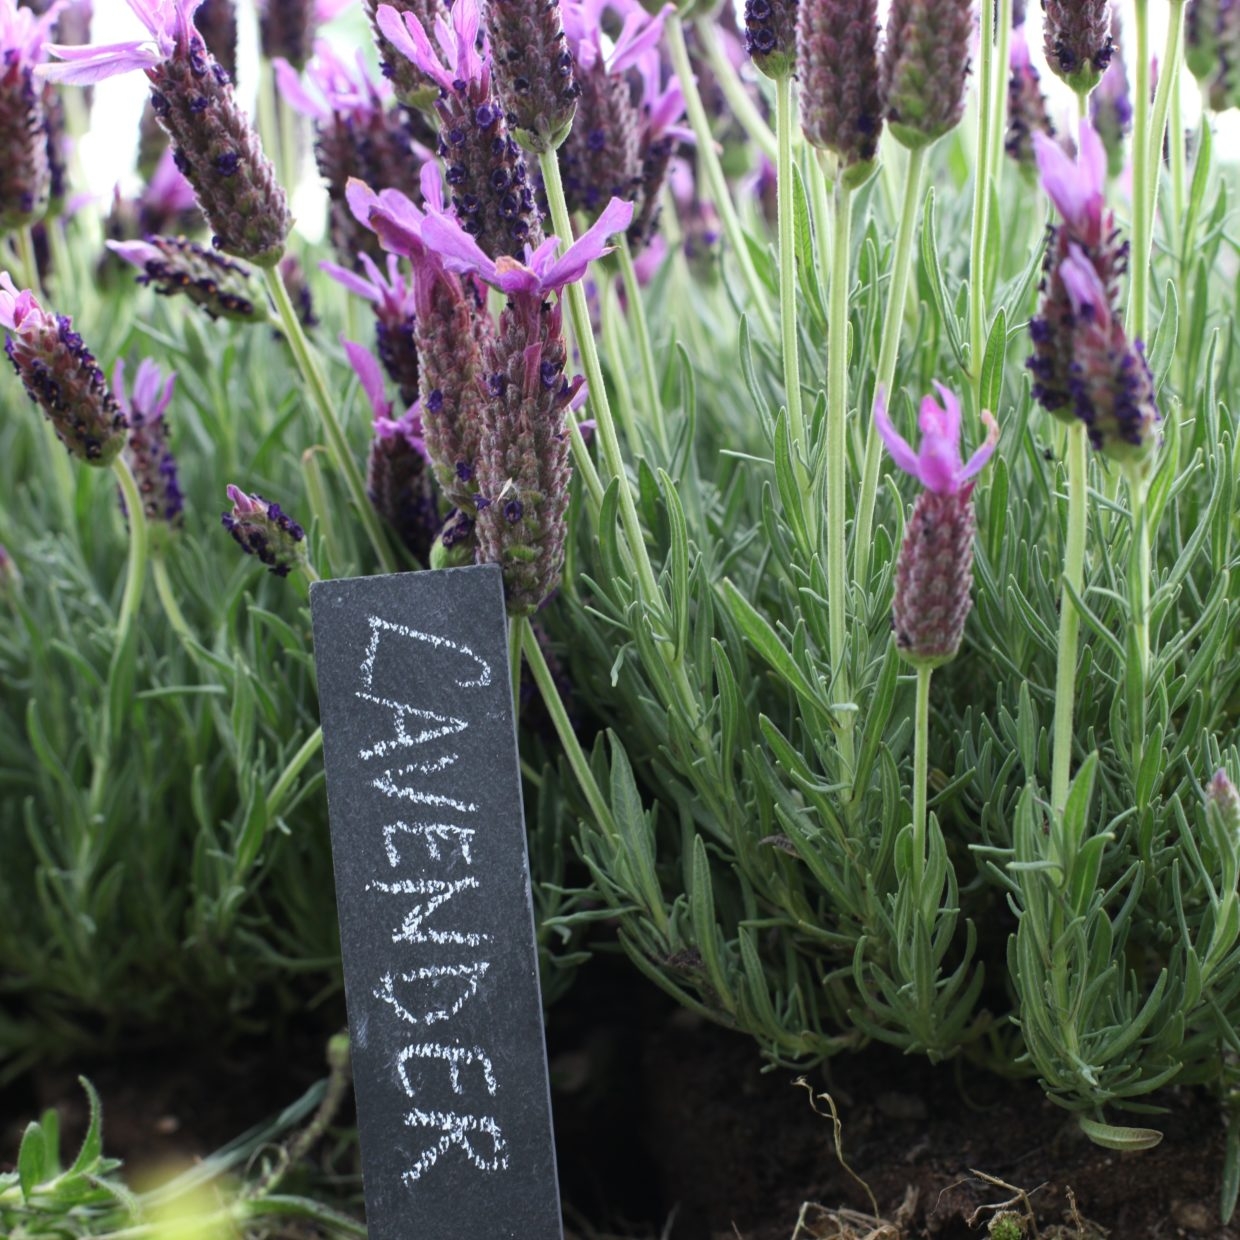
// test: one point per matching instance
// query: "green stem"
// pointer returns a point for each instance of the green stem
(981, 205)
(564, 729)
(139, 541)
(515, 628)
(645, 350)
(739, 100)
(897, 295)
(1168, 81)
(836, 461)
(610, 317)
(921, 768)
(609, 442)
(1069, 621)
(168, 600)
(788, 293)
(1139, 601)
(297, 763)
(998, 96)
(717, 184)
(337, 444)
(1138, 294)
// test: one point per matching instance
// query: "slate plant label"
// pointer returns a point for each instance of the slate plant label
(433, 894)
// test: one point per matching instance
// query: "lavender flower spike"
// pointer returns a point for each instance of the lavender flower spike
(771, 36)
(925, 64)
(173, 265)
(1110, 106)
(260, 528)
(533, 70)
(1077, 39)
(837, 63)
(60, 375)
(1027, 112)
(1223, 806)
(147, 452)
(216, 147)
(934, 570)
(25, 174)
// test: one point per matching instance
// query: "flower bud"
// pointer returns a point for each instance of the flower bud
(25, 178)
(533, 70)
(837, 63)
(146, 451)
(60, 375)
(771, 35)
(934, 577)
(1223, 806)
(216, 21)
(174, 266)
(1110, 106)
(925, 63)
(1076, 36)
(260, 528)
(1027, 112)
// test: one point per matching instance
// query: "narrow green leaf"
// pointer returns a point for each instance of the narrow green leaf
(32, 1159)
(1119, 1137)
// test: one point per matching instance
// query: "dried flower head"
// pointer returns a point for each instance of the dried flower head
(216, 147)
(771, 36)
(146, 450)
(533, 69)
(261, 528)
(934, 569)
(60, 375)
(925, 65)
(1076, 36)
(175, 266)
(837, 63)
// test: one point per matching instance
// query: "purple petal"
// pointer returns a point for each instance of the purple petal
(81, 66)
(615, 216)
(351, 280)
(639, 34)
(405, 33)
(137, 252)
(983, 454)
(371, 376)
(1092, 160)
(291, 87)
(457, 249)
(1081, 281)
(901, 453)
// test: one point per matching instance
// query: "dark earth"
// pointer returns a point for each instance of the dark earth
(669, 1128)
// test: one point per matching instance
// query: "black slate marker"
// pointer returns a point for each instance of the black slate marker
(433, 894)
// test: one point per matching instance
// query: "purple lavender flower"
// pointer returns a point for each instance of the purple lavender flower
(358, 133)
(1027, 112)
(925, 64)
(1110, 106)
(661, 108)
(286, 30)
(523, 461)
(174, 267)
(771, 35)
(605, 155)
(1213, 50)
(1110, 384)
(60, 375)
(491, 193)
(837, 63)
(414, 88)
(533, 69)
(261, 528)
(399, 481)
(392, 298)
(1223, 806)
(1076, 36)
(215, 145)
(25, 177)
(934, 570)
(1076, 189)
(447, 334)
(147, 452)
(168, 203)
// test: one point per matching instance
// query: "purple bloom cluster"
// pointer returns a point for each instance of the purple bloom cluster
(60, 375)
(1110, 106)
(146, 450)
(25, 174)
(1084, 367)
(261, 528)
(1076, 36)
(174, 266)
(771, 35)
(1027, 112)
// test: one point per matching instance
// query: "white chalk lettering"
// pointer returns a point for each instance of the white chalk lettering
(433, 834)
(464, 977)
(440, 891)
(456, 1057)
(456, 1129)
(389, 787)
(379, 626)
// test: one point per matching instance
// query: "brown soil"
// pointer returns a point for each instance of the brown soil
(660, 1116)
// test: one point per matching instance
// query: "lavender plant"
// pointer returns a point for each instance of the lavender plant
(1028, 863)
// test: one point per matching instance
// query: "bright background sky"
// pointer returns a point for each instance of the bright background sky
(108, 153)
